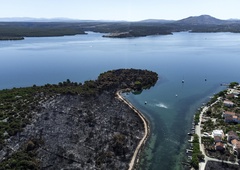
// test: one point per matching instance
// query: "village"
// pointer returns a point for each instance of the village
(215, 136)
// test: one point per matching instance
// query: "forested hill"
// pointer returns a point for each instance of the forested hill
(114, 29)
(19, 30)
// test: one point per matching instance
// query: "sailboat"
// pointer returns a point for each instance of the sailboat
(183, 80)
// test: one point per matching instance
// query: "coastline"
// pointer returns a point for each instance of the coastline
(202, 165)
(135, 157)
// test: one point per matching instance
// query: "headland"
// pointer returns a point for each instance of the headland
(73, 125)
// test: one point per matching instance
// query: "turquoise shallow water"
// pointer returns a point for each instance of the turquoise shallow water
(171, 119)
(189, 56)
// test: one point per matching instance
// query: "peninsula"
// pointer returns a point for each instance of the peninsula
(72, 125)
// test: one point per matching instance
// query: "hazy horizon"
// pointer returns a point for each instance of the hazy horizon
(12, 19)
(125, 10)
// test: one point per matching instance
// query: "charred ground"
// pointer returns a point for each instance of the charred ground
(72, 125)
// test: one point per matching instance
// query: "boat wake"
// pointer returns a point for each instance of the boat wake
(161, 105)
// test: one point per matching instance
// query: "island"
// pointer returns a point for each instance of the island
(74, 125)
(117, 29)
(216, 132)
(138, 32)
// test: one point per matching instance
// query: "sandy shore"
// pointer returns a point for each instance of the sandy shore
(135, 158)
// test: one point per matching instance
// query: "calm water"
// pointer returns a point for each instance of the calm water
(192, 57)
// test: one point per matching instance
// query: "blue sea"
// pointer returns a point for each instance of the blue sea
(202, 60)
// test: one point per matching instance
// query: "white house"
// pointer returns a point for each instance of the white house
(218, 133)
(235, 91)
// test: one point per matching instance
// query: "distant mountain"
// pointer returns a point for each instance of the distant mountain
(202, 20)
(193, 20)
(18, 28)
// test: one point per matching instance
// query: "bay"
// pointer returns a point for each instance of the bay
(192, 57)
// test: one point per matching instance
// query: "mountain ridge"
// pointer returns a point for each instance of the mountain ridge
(114, 29)
(201, 19)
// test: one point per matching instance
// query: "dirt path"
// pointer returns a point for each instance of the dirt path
(135, 158)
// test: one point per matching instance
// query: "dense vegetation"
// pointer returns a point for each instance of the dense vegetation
(197, 154)
(16, 30)
(197, 118)
(126, 78)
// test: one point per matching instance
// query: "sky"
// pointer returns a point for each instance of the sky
(129, 10)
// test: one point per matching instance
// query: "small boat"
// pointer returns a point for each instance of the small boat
(205, 79)
(182, 81)
(176, 95)
(145, 102)
(188, 150)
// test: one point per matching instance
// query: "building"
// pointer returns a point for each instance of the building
(230, 96)
(217, 139)
(228, 103)
(235, 92)
(228, 119)
(227, 113)
(236, 146)
(218, 133)
(231, 135)
(231, 117)
(219, 146)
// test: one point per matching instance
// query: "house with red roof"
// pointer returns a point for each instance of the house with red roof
(227, 113)
(231, 135)
(219, 146)
(236, 146)
(228, 103)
